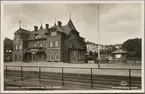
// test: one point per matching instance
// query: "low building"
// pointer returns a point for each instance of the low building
(8, 48)
(119, 56)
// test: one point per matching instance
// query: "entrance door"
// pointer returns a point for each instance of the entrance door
(41, 56)
(27, 57)
(73, 56)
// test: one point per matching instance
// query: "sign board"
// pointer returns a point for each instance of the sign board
(34, 50)
(118, 55)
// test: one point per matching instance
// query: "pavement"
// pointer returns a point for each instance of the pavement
(78, 68)
(60, 64)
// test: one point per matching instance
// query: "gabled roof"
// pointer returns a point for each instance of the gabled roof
(65, 28)
(20, 30)
(7, 39)
(71, 25)
(119, 51)
(40, 32)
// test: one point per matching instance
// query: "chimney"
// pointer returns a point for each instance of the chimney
(35, 28)
(59, 23)
(46, 26)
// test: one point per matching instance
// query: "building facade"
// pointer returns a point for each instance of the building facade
(59, 43)
(92, 47)
(8, 48)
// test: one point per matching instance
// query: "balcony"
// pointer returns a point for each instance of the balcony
(36, 48)
(38, 39)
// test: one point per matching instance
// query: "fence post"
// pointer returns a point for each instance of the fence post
(91, 79)
(6, 72)
(39, 74)
(130, 79)
(62, 77)
(21, 73)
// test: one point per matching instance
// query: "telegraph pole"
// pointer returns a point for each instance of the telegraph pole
(98, 40)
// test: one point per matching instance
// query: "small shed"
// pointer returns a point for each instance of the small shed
(119, 56)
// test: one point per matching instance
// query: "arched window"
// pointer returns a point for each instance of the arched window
(74, 55)
(56, 56)
(50, 56)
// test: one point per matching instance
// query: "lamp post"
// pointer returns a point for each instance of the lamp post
(98, 41)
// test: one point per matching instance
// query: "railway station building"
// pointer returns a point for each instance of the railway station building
(59, 43)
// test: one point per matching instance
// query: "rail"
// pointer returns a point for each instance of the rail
(90, 79)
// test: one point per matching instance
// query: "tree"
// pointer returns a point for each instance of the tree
(90, 53)
(95, 54)
(133, 47)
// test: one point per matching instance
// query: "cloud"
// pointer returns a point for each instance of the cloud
(118, 22)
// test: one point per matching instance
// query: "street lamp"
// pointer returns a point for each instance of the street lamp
(98, 41)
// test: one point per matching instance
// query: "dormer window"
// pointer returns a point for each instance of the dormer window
(53, 33)
(38, 36)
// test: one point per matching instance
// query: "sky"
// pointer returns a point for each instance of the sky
(117, 22)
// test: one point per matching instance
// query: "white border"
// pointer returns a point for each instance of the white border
(72, 91)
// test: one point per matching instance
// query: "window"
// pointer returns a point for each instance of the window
(15, 57)
(16, 47)
(19, 57)
(20, 46)
(81, 46)
(41, 45)
(50, 56)
(53, 33)
(79, 56)
(37, 37)
(74, 55)
(46, 45)
(56, 43)
(16, 40)
(10, 50)
(50, 44)
(40, 36)
(34, 36)
(6, 50)
(82, 57)
(56, 56)
(34, 45)
(29, 46)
